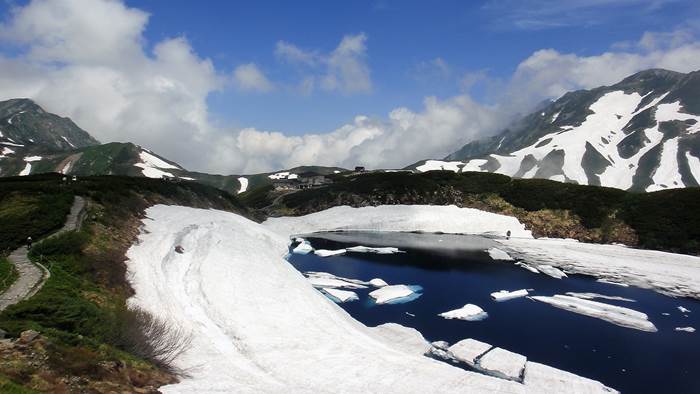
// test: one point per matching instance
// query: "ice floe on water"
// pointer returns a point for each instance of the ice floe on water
(554, 272)
(469, 312)
(686, 329)
(498, 254)
(683, 309)
(468, 351)
(503, 364)
(329, 253)
(505, 295)
(376, 282)
(618, 315)
(591, 296)
(304, 247)
(528, 267)
(340, 295)
(377, 250)
(612, 282)
(326, 280)
(395, 294)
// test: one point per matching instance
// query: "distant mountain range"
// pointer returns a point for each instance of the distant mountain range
(641, 134)
(35, 141)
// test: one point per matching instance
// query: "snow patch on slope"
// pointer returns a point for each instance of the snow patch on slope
(244, 184)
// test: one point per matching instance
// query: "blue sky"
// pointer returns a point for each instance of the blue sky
(403, 37)
(238, 87)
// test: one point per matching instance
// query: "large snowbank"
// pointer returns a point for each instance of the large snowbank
(428, 218)
(257, 324)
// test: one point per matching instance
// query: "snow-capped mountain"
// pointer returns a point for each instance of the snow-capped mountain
(640, 134)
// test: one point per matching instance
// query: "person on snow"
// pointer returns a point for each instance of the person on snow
(508, 234)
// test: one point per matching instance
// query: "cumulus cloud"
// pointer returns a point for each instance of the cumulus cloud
(87, 59)
(248, 77)
(343, 70)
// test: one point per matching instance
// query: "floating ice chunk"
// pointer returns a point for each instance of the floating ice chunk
(528, 267)
(505, 295)
(469, 350)
(395, 294)
(329, 253)
(612, 282)
(303, 248)
(468, 312)
(686, 329)
(376, 282)
(340, 296)
(367, 249)
(498, 254)
(324, 279)
(683, 310)
(407, 339)
(503, 364)
(666, 314)
(540, 378)
(551, 271)
(617, 315)
(591, 296)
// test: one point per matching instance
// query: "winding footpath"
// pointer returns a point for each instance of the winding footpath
(32, 276)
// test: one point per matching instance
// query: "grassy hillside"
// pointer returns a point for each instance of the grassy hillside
(89, 338)
(668, 220)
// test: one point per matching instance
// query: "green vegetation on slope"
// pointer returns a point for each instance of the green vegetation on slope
(8, 274)
(81, 309)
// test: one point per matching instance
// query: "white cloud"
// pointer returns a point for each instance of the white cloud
(119, 90)
(344, 70)
(248, 77)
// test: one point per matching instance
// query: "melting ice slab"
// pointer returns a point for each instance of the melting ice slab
(505, 295)
(303, 248)
(340, 295)
(328, 253)
(468, 312)
(498, 254)
(326, 280)
(503, 364)
(395, 294)
(618, 315)
(469, 350)
(368, 249)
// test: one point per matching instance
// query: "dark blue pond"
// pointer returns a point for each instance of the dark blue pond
(629, 360)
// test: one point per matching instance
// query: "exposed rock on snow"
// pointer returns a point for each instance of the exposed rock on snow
(498, 254)
(469, 350)
(686, 329)
(394, 294)
(503, 364)
(376, 282)
(591, 296)
(427, 218)
(505, 295)
(468, 312)
(329, 253)
(672, 274)
(340, 295)
(618, 315)
(379, 250)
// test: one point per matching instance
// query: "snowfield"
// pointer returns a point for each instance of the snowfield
(257, 325)
(427, 218)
